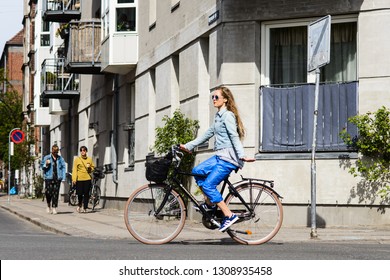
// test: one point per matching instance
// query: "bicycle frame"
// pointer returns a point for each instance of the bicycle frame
(226, 182)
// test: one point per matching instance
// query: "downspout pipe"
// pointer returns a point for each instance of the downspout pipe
(114, 134)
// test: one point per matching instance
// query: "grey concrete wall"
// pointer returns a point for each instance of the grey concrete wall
(374, 61)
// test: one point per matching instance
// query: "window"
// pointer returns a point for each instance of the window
(45, 34)
(131, 124)
(125, 19)
(288, 97)
(45, 40)
(288, 55)
(105, 18)
(126, 16)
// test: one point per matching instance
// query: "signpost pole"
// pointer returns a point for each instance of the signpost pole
(318, 56)
(9, 163)
(313, 232)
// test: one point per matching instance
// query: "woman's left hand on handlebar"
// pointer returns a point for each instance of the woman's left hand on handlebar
(182, 147)
(246, 159)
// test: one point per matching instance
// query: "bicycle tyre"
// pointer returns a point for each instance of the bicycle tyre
(95, 198)
(267, 219)
(140, 218)
(73, 198)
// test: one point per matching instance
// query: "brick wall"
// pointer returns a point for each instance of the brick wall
(14, 67)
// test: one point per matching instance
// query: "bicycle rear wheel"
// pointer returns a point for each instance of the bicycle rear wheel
(73, 197)
(149, 227)
(265, 221)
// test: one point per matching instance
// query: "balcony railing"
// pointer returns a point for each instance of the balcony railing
(83, 54)
(61, 10)
(56, 82)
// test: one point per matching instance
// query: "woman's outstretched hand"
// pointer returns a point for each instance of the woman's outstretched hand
(182, 147)
(246, 159)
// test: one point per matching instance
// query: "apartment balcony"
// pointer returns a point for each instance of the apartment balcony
(61, 10)
(56, 82)
(83, 48)
(120, 53)
(120, 37)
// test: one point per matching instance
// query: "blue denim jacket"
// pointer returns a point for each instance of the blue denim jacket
(225, 131)
(48, 170)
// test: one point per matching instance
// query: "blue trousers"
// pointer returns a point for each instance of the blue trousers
(216, 170)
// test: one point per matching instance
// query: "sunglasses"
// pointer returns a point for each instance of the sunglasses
(216, 97)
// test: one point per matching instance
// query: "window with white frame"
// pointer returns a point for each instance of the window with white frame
(45, 34)
(287, 94)
(105, 18)
(126, 16)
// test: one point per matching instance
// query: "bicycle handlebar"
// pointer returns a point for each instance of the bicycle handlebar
(177, 153)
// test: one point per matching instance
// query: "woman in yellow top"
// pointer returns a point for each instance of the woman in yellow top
(82, 168)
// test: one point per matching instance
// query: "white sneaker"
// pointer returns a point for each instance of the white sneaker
(54, 211)
(48, 210)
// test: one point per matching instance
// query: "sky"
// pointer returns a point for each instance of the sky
(11, 17)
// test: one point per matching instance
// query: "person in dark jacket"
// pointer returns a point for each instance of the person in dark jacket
(54, 170)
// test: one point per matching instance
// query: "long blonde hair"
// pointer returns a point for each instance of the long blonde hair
(231, 106)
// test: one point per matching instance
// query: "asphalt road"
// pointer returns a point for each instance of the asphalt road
(21, 240)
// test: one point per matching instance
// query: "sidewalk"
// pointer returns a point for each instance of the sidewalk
(109, 224)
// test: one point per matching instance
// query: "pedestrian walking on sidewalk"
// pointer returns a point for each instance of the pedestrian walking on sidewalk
(54, 170)
(228, 131)
(81, 177)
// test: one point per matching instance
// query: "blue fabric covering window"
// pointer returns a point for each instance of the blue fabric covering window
(288, 115)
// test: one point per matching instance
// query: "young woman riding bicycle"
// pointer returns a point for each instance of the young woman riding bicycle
(228, 131)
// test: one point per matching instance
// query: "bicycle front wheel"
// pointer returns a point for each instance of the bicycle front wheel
(95, 198)
(146, 224)
(265, 220)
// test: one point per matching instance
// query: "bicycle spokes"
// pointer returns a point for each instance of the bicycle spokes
(264, 218)
(154, 214)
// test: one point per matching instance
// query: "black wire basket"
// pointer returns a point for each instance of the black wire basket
(157, 169)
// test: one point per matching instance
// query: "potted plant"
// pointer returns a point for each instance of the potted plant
(50, 80)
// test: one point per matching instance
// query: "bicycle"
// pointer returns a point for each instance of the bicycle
(72, 190)
(155, 213)
(94, 193)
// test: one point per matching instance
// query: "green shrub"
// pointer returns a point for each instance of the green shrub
(177, 130)
(373, 145)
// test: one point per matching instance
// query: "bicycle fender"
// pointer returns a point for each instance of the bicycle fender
(260, 182)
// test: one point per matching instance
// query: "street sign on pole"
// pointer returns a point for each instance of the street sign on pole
(318, 50)
(318, 55)
(17, 136)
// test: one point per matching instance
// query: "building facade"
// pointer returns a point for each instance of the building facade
(125, 64)
(12, 61)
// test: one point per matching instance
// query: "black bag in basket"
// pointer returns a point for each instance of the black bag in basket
(157, 169)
